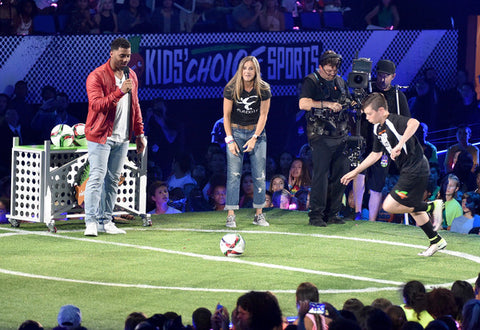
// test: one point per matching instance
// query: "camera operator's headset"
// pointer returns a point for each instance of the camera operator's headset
(331, 54)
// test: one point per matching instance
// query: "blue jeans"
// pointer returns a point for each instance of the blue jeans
(106, 164)
(258, 158)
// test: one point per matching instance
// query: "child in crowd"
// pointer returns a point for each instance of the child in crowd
(308, 293)
(277, 183)
(470, 218)
(298, 177)
(246, 201)
(452, 208)
(218, 197)
(158, 194)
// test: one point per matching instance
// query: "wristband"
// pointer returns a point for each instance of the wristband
(255, 136)
(229, 139)
(141, 135)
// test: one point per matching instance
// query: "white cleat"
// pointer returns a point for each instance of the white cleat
(434, 248)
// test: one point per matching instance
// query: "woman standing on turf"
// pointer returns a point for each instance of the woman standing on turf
(246, 102)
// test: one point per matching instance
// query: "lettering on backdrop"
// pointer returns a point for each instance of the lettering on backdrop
(215, 65)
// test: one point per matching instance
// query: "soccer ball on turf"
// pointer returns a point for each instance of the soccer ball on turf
(62, 135)
(79, 134)
(232, 245)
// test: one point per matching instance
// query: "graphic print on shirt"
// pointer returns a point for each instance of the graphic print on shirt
(383, 136)
(245, 103)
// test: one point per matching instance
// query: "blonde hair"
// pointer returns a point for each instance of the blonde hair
(236, 83)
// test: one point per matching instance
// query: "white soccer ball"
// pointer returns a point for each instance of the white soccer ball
(79, 134)
(62, 135)
(232, 245)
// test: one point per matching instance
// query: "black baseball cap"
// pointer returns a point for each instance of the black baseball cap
(386, 66)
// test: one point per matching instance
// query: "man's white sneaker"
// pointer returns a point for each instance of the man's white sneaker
(434, 248)
(91, 229)
(259, 220)
(110, 228)
(437, 214)
(231, 223)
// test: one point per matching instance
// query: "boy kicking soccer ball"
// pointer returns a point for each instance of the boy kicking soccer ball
(394, 134)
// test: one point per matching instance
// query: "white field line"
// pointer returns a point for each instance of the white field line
(234, 260)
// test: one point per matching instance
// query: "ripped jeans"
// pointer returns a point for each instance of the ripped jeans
(258, 158)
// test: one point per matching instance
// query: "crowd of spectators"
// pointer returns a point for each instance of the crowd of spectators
(454, 308)
(25, 17)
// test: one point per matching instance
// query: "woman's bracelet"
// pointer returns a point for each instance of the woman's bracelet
(229, 139)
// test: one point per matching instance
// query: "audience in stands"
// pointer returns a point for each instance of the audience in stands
(246, 16)
(415, 303)
(23, 25)
(384, 15)
(272, 19)
(462, 292)
(134, 17)
(106, 18)
(69, 318)
(166, 18)
(471, 214)
(463, 143)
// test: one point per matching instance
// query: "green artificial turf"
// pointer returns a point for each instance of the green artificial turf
(176, 265)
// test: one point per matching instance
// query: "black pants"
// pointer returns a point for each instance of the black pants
(329, 165)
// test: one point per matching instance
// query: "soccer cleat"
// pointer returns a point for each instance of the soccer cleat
(91, 229)
(110, 228)
(437, 214)
(231, 223)
(259, 220)
(440, 245)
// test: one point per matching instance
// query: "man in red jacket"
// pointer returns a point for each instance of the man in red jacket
(114, 116)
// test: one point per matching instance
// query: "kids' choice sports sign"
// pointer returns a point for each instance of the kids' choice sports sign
(216, 64)
(198, 65)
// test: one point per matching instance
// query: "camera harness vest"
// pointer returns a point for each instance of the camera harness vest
(329, 123)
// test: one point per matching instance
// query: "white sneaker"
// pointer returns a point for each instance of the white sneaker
(231, 223)
(434, 248)
(110, 228)
(437, 214)
(259, 220)
(91, 229)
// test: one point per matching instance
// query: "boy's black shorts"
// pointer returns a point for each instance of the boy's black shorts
(409, 189)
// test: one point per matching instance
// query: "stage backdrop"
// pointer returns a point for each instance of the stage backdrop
(197, 66)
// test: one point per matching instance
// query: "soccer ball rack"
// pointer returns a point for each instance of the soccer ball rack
(44, 179)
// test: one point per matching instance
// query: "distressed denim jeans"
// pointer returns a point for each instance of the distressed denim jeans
(258, 158)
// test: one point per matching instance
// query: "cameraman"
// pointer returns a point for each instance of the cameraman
(327, 129)
(397, 103)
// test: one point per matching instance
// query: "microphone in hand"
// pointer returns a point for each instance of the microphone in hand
(126, 72)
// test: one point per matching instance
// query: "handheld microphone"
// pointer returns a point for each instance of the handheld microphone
(126, 72)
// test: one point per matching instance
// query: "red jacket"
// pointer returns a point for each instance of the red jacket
(103, 96)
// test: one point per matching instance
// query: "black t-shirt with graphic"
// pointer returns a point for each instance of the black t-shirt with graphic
(246, 110)
(411, 159)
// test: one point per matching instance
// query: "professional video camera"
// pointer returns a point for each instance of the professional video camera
(359, 81)
(359, 78)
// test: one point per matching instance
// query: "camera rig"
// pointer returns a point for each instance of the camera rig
(359, 80)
